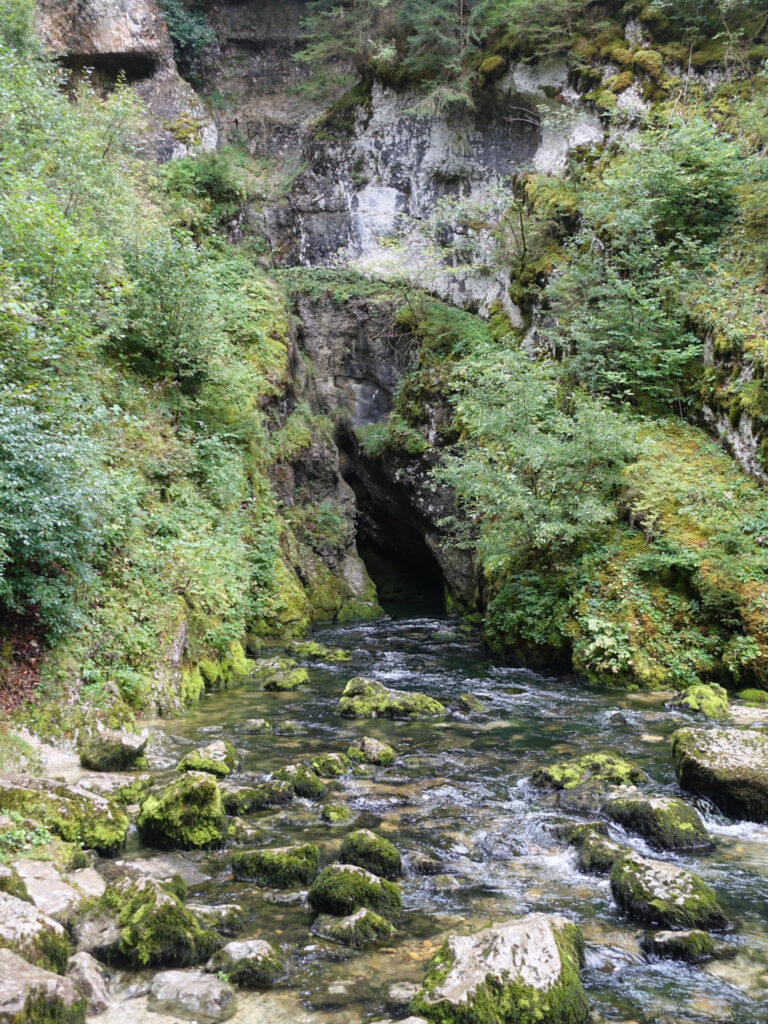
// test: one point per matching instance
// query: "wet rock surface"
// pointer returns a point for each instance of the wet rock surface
(192, 995)
(729, 766)
(661, 893)
(27, 992)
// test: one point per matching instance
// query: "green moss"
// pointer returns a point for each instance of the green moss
(372, 752)
(50, 1010)
(691, 946)
(261, 970)
(343, 888)
(312, 649)
(248, 799)
(109, 753)
(468, 703)
(366, 698)
(650, 62)
(338, 123)
(654, 892)
(618, 83)
(753, 697)
(218, 758)
(356, 930)
(597, 853)
(493, 66)
(133, 792)
(155, 929)
(329, 766)
(709, 700)
(304, 781)
(187, 815)
(335, 814)
(280, 675)
(192, 684)
(281, 868)
(371, 852)
(44, 944)
(12, 883)
(667, 823)
(604, 767)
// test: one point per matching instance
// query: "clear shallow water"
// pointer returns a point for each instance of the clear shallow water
(459, 794)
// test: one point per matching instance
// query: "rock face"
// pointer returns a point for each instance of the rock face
(31, 934)
(91, 979)
(112, 751)
(29, 993)
(729, 766)
(662, 894)
(524, 969)
(252, 964)
(667, 823)
(367, 698)
(192, 995)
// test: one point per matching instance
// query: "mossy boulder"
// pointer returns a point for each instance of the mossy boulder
(143, 923)
(221, 673)
(218, 758)
(604, 767)
(30, 933)
(668, 823)
(523, 970)
(280, 675)
(753, 697)
(468, 703)
(371, 852)
(252, 963)
(329, 766)
(692, 945)
(335, 814)
(111, 751)
(186, 815)
(354, 930)
(596, 852)
(650, 62)
(255, 726)
(367, 698)
(239, 800)
(12, 883)
(341, 889)
(282, 867)
(662, 894)
(305, 782)
(371, 751)
(75, 814)
(315, 651)
(32, 995)
(133, 792)
(706, 699)
(729, 766)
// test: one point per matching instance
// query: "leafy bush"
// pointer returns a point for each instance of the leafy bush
(190, 33)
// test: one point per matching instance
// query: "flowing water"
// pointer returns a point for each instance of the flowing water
(459, 795)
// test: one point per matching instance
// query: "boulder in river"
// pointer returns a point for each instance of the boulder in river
(468, 703)
(252, 963)
(192, 995)
(371, 751)
(32, 934)
(661, 893)
(335, 814)
(343, 888)
(526, 969)
(666, 822)
(597, 853)
(255, 726)
(692, 945)
(329, 766)
(112, 751)
(280, 675)
(312, 649)
(709, 700)
(367, 698)
(217, 758)
(239, 800)
(282, 867)
(355, 930)
(602, 767)
(186, 815)
(30, 994)
(371, 852)
(730, 766)
(305, 782)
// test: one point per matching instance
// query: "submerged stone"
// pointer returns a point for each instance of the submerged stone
(604, 767)
(729, 766)
(355, 930)
(668, 823)
(226, 918)
(312, 649)
(523, 970)
(32, 995)
(112, 751)
(186, 815)
(30, 933)
(282, 867)
(255, 726)
(371, 751)
(193, 996)
(252, 963)
(371, 852)
(217, 758)
(468, 703)
(367, 698)
(660, 893)
(343, 888)
(707, 699)
(692, 945)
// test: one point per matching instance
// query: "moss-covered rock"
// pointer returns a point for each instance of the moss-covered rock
(187, 815)
(226, 918)
(371, 852)
(650, 62)
(660, 893)
(312, 649)
(28, 932)
(729, 766)
(111, 751)
(218, 758)
(280, 675)
(707, 699)
(240, 800)
(754, 698)
(604, 767)
(329, 766)
(597, 853)
(252, 963)
(305, 782)
(371, 751)
(692, 946)
(667, 823)
(12, 883)
(468, 703)
(367, 698)
(75, 814)
(221, 673)
(341, 889)
(524, 970)
(335, 814)
(133, 792)
(282, 867)
(31, 995)
(355, 930)
(143, 923)
(256, 726)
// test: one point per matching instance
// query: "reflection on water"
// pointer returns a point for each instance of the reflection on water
(458, 806)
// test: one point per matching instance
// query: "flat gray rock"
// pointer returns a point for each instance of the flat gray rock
(192, 995)
(729, 766)
(22, 985)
